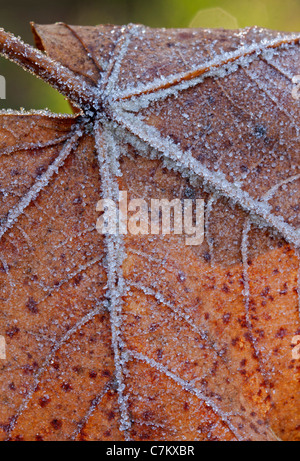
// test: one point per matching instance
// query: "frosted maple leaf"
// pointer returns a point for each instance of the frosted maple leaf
(215, 108)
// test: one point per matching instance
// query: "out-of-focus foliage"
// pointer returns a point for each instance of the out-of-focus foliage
(24, 90)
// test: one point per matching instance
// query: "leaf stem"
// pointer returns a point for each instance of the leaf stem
(58, 76)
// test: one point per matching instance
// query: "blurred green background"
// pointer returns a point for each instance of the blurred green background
(24, 90)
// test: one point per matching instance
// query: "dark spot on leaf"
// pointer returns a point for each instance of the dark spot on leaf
(77, 200)
(106, 373)
(66, 387)
(234, 341)
(77, 279)
(40, 170)
(284, 290)
(56, 424)
(265, 291)
(186, 406)
(31, 305)
(254, 428)
(260, 131)
(43, 401)
(206, 257)
(226, 318)
(181, 277)
(281, 333)
(159, 353)
(12, 332)
(225, 288)
(111, 415)
(55, 365)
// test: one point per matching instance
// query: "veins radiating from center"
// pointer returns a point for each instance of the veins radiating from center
(103, 108)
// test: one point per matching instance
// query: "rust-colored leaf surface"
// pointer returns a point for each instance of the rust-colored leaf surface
(142, 337)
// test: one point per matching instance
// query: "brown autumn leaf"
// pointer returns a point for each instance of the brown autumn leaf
(142, 337)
